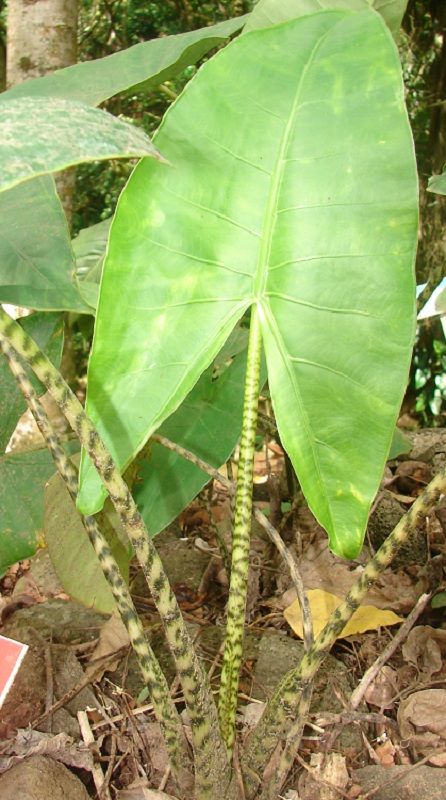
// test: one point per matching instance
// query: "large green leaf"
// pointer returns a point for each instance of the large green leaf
(41, 135)
(47, 330)
(293, 186)
(136, 69)
(208, 423)
(72, 554)
(22, 480)
(270, 12)
(437, 184)
(36, 260)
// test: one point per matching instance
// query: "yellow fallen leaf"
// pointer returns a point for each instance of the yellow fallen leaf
(322, 605)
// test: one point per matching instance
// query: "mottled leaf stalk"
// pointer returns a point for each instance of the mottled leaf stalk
(282, 708)
(158, 688)
(241, 537)
(212, 773)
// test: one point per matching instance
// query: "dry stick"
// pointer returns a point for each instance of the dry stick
(153, 676)
(264, 522)
(188, 456)
(382, 659)
(372, 672)
(212, 770)
(280, 711)
(295, 577)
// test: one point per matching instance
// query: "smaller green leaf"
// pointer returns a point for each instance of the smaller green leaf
(439, 600)
(47, 330)
(62, 133)
(437, 184)
(36, 260)
(400, 444)
(72, 554)
(22, 480)
(133, 70)
(392, 12)
(89, 250)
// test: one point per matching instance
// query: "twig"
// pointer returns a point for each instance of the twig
(74, 691)
(110, 766)
(307, 624)
(388, 651)
(98, 775)
(48, 714)
(188, 456)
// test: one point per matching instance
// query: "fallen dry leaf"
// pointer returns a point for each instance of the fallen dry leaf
(383, 688)
(386, 754)
(320, 569)
(154, 742)
(112, 637)
(323, 604)
(327, 778)
(61, 747)
(422, 721)
(141, 791)
(425, 648)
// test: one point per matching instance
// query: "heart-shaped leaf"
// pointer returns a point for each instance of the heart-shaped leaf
(293, 186)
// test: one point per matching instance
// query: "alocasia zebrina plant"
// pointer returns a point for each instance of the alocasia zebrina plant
(289, 193)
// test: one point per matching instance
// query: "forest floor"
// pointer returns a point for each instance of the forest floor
(76, 723)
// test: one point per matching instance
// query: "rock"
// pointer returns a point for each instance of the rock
(385, 517)
(428, 445)
(277, 654)
(42, 576)
(61, 621)
(182, 561)
(39, 778)
(422, 783)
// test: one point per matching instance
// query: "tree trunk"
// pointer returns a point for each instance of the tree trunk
(41, 38)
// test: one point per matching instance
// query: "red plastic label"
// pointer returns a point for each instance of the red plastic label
(11, 655)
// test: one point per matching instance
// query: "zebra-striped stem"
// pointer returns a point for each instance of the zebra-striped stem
(158, 688)
(233, 650)
(212, 772)
(280, 712)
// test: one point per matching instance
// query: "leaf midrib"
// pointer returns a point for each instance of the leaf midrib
(261, 275)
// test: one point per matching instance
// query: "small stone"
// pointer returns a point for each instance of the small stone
(422, 783)
(40, 778)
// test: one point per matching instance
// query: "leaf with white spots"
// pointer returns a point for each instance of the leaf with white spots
(43, 135)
